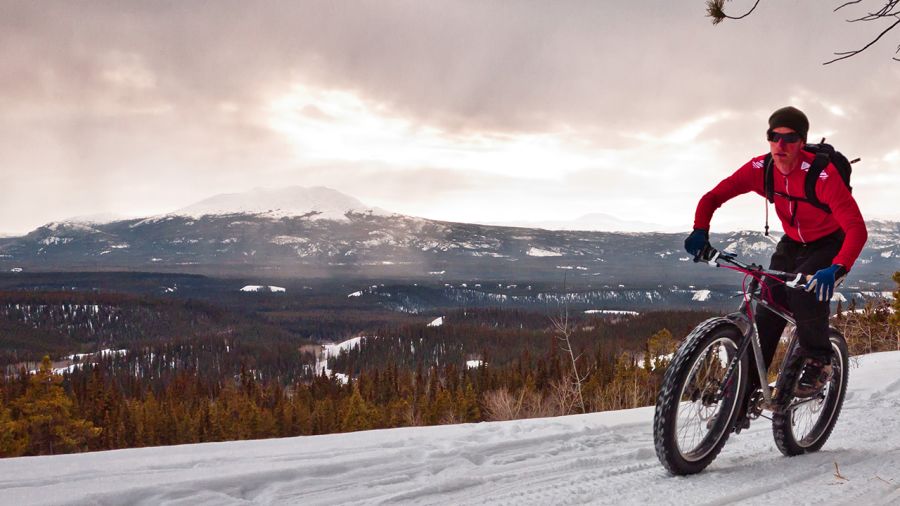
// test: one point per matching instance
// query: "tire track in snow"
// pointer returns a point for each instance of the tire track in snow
(750, 469)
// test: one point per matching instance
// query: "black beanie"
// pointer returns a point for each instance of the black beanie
(790, 117)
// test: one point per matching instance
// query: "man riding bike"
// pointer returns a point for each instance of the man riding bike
(823, 241)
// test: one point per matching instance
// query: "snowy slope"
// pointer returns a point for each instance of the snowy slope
(602, 458)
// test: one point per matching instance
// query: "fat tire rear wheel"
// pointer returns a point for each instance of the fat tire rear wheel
(687, 388)
(806, 428)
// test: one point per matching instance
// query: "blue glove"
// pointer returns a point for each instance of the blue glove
(697, 242)
(824, 281)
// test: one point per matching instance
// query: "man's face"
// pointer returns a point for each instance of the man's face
(785, 154)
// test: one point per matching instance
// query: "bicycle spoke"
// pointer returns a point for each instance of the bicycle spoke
(809, 420)
(699, 405)
(805, 414)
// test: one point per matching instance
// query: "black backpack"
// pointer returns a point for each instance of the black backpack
(825, 153)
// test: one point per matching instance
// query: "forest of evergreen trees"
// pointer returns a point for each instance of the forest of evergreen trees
(223, 382)
(216, 388)
(35, 323)
(94, 408)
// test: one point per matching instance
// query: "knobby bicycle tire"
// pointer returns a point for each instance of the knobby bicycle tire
(665, 421)
(785, 420)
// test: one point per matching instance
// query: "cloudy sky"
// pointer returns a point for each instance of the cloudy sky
(483, 111)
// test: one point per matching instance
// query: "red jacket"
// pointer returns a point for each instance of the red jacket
(810, 223)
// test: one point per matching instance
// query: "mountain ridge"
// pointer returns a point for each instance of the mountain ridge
(369, 244)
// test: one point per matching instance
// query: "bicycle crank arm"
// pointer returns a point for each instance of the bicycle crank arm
(816, 398)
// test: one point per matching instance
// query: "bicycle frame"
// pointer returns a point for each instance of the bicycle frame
(745, 321)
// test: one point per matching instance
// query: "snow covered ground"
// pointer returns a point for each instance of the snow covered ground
(601, 458)
(262, 288)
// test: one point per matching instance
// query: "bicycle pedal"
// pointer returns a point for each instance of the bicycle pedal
(741, 425)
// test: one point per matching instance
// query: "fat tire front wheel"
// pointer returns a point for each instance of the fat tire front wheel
(691, 425)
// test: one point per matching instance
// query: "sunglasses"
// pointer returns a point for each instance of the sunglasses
(788, 138)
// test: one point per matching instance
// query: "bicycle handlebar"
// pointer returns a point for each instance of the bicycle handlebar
(790, 279)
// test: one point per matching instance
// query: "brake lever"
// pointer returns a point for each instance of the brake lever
(714, 261)
(798, 282)
(727, 256)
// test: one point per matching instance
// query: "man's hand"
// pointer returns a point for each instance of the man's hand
(824, 281)
(697, 242)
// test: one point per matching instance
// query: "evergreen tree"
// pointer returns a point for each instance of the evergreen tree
(324, 417)
(468, 409)
(660, 347)
(356, 413)
(399, 413)
(151, 418)
(46, 416)
(13, 441)
(440, 410)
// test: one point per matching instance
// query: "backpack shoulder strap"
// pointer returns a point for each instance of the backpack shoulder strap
(812, 177)
(768, 178)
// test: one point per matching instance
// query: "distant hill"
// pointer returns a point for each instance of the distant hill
(316, 202)
(328, 234)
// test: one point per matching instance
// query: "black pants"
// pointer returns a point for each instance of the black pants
(811, 315)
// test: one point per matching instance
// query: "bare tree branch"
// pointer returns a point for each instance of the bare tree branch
(715, 9)
(884, 12)
(561, 325)
(889, 9)
(839, 7)
(847, 54)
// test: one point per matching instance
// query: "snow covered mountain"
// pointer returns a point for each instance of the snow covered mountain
(316, 202)
(318, 232)
(599, 458)
(97, 218)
